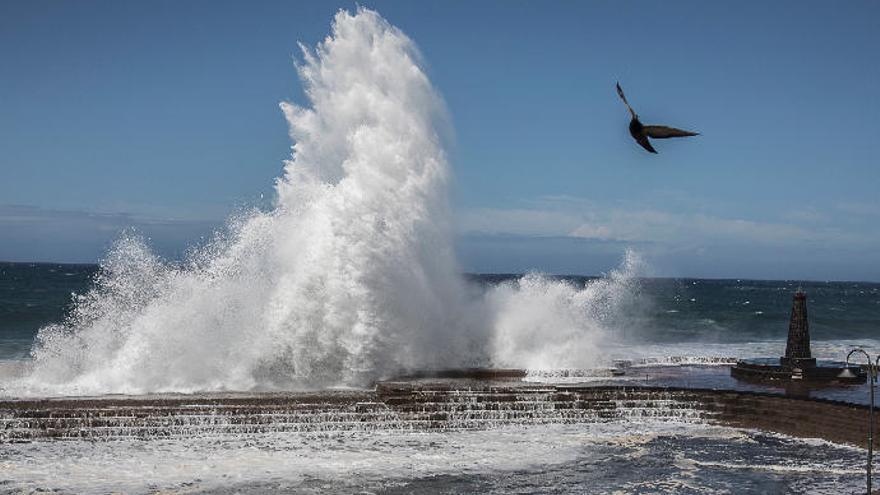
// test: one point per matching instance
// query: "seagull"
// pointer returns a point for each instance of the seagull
(641, 132)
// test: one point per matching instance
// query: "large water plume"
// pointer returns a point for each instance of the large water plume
(351, 277)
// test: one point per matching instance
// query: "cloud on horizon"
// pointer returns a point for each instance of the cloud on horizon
(551, 234)
(31, 233)
(573, 233)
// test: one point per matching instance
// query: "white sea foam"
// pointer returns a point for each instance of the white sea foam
(259, 463)
(725, 353)
(350, 277)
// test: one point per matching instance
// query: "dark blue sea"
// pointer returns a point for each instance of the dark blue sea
(675, 314)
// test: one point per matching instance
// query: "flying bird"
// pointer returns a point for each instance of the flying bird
(641, 132)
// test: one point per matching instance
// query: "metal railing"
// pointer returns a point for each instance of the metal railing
(872, 378)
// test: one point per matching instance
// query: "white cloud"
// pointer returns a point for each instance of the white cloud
(661, 226)
(573, 217)
(867, 209)
(534, 222)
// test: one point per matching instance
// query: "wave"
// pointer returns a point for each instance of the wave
(349, 278)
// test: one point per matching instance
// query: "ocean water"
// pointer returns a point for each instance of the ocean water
(602, 458)
(735, 311)
(33, 295)
(674, 318)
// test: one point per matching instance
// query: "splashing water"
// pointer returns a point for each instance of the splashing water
(540, 323)
(352, 276)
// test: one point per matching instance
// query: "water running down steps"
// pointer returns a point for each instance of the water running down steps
(432, 405)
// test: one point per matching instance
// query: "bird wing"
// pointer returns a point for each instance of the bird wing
(622, 97)
(663, 132)
(643, 140)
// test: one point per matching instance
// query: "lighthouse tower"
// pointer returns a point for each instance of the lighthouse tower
(797, 350)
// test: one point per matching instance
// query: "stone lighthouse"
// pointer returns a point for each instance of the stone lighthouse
(797, 350)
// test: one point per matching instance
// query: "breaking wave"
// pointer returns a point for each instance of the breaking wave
(350, 277)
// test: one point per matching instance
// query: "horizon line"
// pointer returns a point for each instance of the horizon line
(520, 274)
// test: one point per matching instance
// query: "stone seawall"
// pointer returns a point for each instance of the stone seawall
(835, 421)
(419, 405)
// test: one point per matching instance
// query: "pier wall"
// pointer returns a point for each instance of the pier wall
(421, 406)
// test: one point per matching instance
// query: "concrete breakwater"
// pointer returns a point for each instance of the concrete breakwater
(423, 406)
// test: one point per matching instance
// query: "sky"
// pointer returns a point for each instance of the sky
(163, 117)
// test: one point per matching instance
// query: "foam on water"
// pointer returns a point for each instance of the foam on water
(714, 353)
(350, 277)
(661, 458)
(216, 461)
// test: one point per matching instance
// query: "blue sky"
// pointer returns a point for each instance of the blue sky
(164, 116)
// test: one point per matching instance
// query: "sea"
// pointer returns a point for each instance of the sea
(674, 321)
(695, 320)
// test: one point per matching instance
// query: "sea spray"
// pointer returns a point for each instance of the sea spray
(350, 278)
(545, 323)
